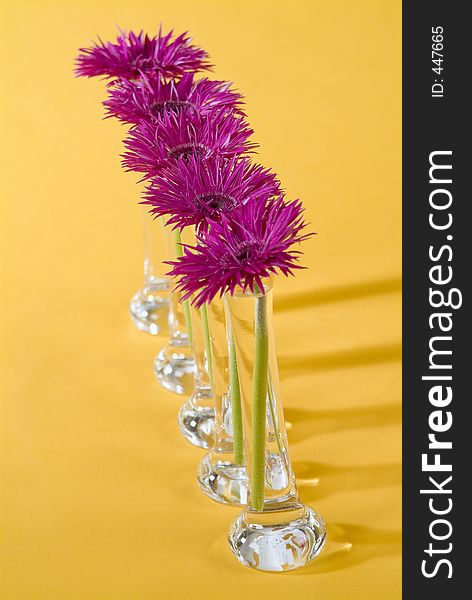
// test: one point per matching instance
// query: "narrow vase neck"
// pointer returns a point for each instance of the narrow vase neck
(156, 247)
(220, 377)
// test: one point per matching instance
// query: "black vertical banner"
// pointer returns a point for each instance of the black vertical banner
(437, 259)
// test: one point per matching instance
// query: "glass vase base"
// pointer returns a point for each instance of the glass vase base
(174, 368)
(223, 481)
(197, 423)
(149, 308)
(275, 544)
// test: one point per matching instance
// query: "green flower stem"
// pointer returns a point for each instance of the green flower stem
(235, 392)
(259, 403)
(185, 303)
(206, 335)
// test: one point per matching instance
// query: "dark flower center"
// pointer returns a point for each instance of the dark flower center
(214, 203)
(172, 106)
(243, 252)
(186, 150)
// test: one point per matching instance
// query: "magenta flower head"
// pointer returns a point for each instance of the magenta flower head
(241, 249)
(194, 191)
(133, 101)
(150, 146)
(135, 55)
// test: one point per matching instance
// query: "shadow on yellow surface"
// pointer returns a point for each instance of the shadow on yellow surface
(348, 545)
(306, 423)
(339, 359)
(337, 294)
(320, 480)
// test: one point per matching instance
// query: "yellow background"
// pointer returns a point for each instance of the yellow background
(98, 499)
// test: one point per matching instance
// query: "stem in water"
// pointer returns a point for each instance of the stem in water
(206, 335)
(259, 403)
(185, 303)
(235, 391)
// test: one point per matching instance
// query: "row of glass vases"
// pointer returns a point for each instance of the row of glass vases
(223, 357)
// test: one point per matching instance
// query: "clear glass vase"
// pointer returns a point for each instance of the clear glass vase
(222, 473)
(275, 531)
(174, 366)
(149, 306)
(196, 418)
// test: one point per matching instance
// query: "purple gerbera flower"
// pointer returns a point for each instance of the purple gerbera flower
(196, 190)
(131, 101)
(241, 249)
(177, 135)
(136, 55)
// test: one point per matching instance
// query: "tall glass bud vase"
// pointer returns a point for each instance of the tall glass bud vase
(196, 418)
(174, 366)
(149, 306)
(275, 531)
(222, 473)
